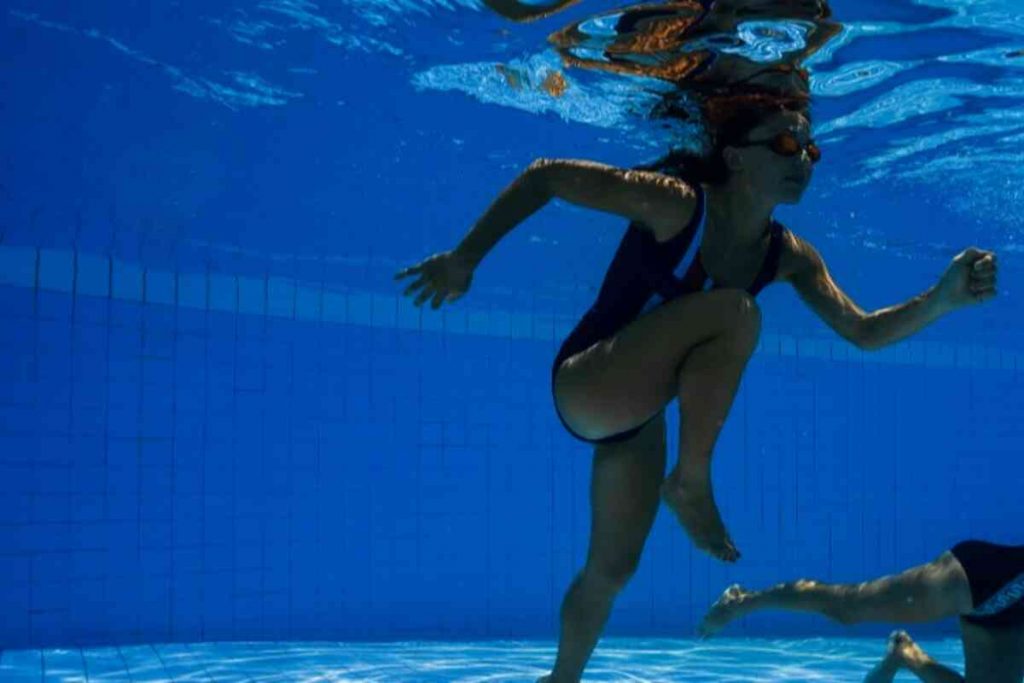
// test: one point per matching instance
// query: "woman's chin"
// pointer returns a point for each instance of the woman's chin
(792, 193)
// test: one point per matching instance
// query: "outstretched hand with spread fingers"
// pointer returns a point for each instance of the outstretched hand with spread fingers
(441, 277)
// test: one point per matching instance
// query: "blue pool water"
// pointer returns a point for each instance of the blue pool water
(220, 421)
(618, 659)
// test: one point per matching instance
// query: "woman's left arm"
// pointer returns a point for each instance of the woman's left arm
(970, 278)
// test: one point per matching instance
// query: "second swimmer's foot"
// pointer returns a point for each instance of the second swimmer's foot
(901, 653)
(725, 609)
(904, 650)
(695, 509)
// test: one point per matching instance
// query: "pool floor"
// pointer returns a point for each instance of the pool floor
(617, 659)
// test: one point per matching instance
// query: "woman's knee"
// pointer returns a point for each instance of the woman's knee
(612, 575)
(740, 317)
(841, 612)
(747, 312)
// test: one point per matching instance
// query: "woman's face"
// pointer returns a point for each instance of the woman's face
(762, 162)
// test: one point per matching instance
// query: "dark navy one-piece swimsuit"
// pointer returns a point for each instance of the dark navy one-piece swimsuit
(643, 275)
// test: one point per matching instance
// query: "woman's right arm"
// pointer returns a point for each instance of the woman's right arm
(657, 202)
(660, 203)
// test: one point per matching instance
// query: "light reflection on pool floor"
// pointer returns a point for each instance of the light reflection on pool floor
(617, 659)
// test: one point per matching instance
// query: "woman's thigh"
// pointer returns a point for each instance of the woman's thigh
(993, 655)
(623, 381)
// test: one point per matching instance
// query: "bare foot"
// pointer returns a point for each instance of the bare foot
(906, 651)
(887, 669)
(902, 652)
(725, 609)
(695, 509)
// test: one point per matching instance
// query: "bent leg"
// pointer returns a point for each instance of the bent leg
(624, 502)
(904, 654)
(926, 593)
(708, 382)
(694, 348)
(890, 665)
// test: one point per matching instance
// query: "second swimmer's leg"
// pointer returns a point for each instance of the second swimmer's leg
(993, 655)
(904, 654)
(928, 592)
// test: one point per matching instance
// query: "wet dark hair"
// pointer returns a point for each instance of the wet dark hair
(728, 119)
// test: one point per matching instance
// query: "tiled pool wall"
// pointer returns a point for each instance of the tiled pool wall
(202, 455)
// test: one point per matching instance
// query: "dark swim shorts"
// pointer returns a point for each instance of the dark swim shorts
(996, 575)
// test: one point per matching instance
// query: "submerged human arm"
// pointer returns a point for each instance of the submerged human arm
(969, 279)
(660, 203)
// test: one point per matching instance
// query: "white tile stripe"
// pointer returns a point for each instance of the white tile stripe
(100, 276)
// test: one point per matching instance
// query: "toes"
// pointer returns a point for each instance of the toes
(720, 549)
(729, 552)
(899, 637)
(897, 641)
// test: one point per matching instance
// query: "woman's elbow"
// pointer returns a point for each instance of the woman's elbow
(541, 173)
(543, 167)
(865, 336)
(868, 344)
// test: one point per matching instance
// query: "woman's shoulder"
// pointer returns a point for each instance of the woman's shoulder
(796, 255)
(673, 213)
